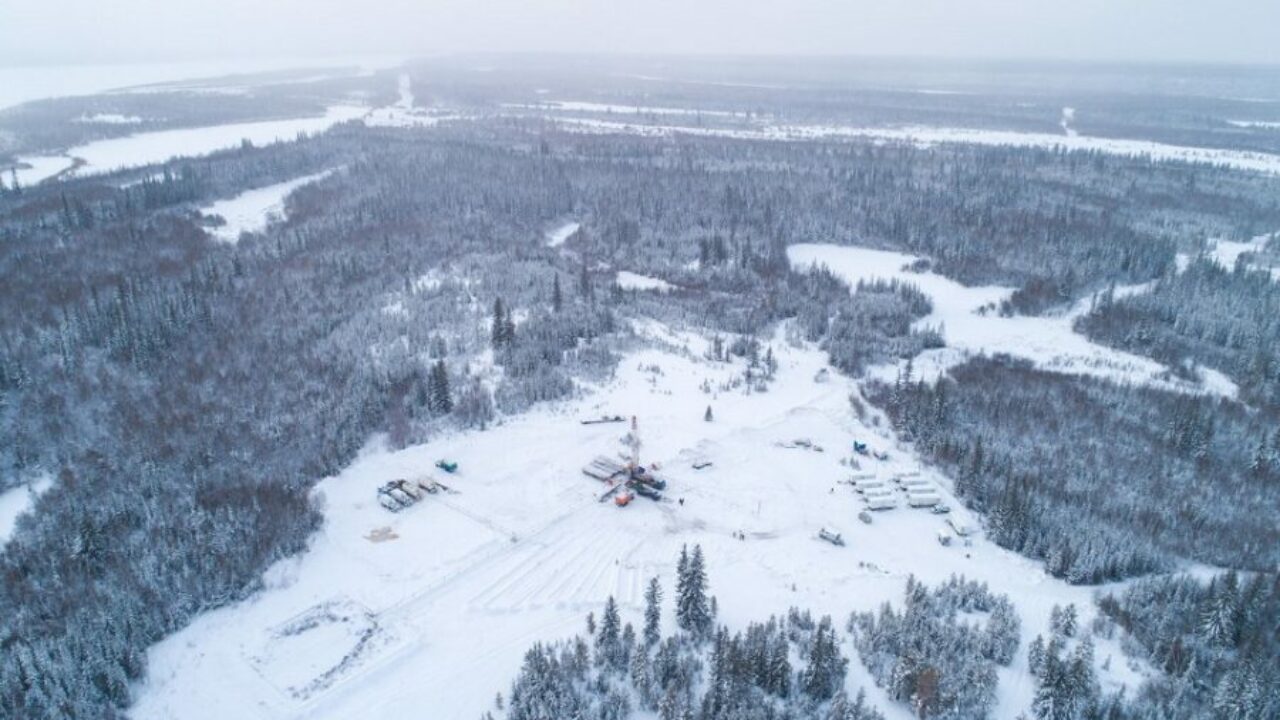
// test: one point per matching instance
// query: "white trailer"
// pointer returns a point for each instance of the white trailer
(881, 503)
(877, 492)
(913, 482)
(864, 485)
(959, 526)
(922, 500)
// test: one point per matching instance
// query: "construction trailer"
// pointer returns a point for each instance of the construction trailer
(864, 485)
(959, 527)
(912, 482)
(881, 502)
(922, 500)
(831, 537)
(944, 538)
(877, 492)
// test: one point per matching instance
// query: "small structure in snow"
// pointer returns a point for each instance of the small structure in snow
(864, 516)
(397, 495)
(959, 527)
(922, 500)
(944, 538)
(822, 376)
(448, 466)
(881, 502)
(831, 537)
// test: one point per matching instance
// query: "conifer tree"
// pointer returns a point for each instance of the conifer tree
(652, 613)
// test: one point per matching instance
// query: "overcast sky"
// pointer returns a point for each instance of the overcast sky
(76, 31)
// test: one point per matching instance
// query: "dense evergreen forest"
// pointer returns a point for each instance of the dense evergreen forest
(1101, 481)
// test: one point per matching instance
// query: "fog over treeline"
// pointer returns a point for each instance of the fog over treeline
(76, 31)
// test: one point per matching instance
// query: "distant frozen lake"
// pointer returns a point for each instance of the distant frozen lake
(35, 82)
(156, 147)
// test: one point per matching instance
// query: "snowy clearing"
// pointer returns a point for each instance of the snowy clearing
(452, 591)
(109, 119)
(156, 147)
(632, 281)
(17, 500)
(253, 210)
(556, 237)
(971, 324)
(1227, 252)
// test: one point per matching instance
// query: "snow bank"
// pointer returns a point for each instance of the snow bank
(972, 325)
(253, 210)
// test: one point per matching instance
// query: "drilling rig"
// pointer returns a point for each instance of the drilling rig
(626, 479)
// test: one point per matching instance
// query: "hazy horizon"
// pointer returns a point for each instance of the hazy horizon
(72, 32)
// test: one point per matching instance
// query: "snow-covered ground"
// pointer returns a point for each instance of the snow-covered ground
(556, 237)
(155, 147)
(433, 607)
(971, 324)
(253, 210)
(17, 500)
(632, 281)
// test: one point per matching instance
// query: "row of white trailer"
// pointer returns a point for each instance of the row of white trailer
(884, 494)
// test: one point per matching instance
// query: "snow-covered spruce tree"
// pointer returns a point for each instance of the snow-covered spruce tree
(824, 674)
(693, 613)
(440, 397)
(609, 637)
(652, 613)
